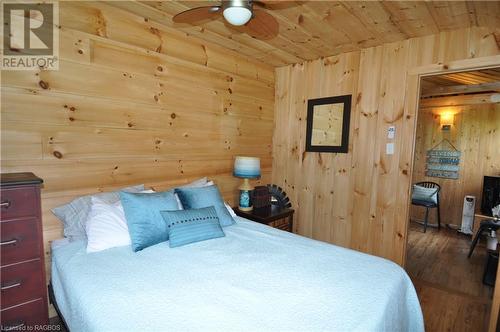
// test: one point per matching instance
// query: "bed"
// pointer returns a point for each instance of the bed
(256, 278)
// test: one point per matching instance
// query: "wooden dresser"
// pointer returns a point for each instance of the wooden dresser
(23, 288)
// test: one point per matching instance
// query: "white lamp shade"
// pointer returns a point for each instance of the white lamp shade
(246, 167)
(237, 15)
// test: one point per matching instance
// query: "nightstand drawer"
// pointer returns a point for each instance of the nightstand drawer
(19, 240)
(274, 216)
(18, 203)
(19, 317)
(21, 283)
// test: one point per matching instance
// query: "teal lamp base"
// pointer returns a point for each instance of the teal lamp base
(245, 201)
(246, 168)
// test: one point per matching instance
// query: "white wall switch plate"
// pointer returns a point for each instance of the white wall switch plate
(391, 132)
(389, 148)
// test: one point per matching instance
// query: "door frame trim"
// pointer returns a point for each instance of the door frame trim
(412, 106)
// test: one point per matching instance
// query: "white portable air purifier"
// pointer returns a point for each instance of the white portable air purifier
(468, 214)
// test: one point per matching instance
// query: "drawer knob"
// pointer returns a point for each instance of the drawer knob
(13, 326)
(8, 242)
(5, 204)
(11, 285)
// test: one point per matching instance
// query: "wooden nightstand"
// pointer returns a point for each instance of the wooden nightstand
(272, 216)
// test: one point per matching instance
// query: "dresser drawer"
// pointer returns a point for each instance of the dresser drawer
(19, 240)
(21, 283)
(20, 202)
(22, 316)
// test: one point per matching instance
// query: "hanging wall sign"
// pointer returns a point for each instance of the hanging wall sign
(443, 163)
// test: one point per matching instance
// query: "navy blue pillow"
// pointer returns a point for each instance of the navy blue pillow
(196, 198)
(189, 226)
(145, 223)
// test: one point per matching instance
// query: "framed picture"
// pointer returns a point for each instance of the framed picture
(328, 124)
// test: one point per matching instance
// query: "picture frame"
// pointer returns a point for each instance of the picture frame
(328, 121)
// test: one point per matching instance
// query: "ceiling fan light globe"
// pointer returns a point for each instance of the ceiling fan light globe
(237, 15)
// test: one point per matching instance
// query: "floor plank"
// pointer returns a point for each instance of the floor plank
(446, 311)
(449, 285)
(56, 324)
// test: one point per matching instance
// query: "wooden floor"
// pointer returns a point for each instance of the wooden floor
(57, 324)
(449, 285)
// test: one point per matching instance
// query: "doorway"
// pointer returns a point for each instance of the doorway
(456, 144)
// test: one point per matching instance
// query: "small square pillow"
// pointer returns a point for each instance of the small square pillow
(424, 194)
(196, 198)
(75, 214)
(203, 182)
(145, 223)
(189, 226)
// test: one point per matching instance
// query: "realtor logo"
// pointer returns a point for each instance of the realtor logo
(30, 36)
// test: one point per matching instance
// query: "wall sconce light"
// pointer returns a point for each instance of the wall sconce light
(495, 98)
(446, 120)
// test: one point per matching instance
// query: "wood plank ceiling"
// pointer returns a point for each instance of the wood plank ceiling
(466, 78)
(476, 81)
(314, 29)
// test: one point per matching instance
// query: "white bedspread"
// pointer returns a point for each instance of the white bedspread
(255, 279)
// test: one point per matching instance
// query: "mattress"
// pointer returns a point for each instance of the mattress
(256, 278)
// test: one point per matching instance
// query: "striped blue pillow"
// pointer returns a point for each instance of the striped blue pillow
(189, 226)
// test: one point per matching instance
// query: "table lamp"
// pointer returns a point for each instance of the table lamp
(246, 168)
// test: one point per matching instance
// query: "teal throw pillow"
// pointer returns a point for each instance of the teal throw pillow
(145, 223)
(196, 198)
(189, 226)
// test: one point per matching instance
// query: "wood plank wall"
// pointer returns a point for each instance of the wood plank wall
(133, 102)
(476, 133)
(357, 199)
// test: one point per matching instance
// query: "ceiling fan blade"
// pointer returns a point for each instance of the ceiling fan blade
(276, 4)
(195, 15)
(262, 25)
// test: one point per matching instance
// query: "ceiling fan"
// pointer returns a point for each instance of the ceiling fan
(240, 14)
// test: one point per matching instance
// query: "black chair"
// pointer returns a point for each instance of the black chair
(485, 225)
(427, 204)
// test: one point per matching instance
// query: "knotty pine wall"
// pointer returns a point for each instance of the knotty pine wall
(476, 133)
(133, 102)
(358, 199)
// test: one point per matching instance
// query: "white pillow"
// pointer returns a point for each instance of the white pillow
(106, 227)
(231, 211)
(196, 183)
(147, 191)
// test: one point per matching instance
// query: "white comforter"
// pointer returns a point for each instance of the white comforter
(255, 279)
